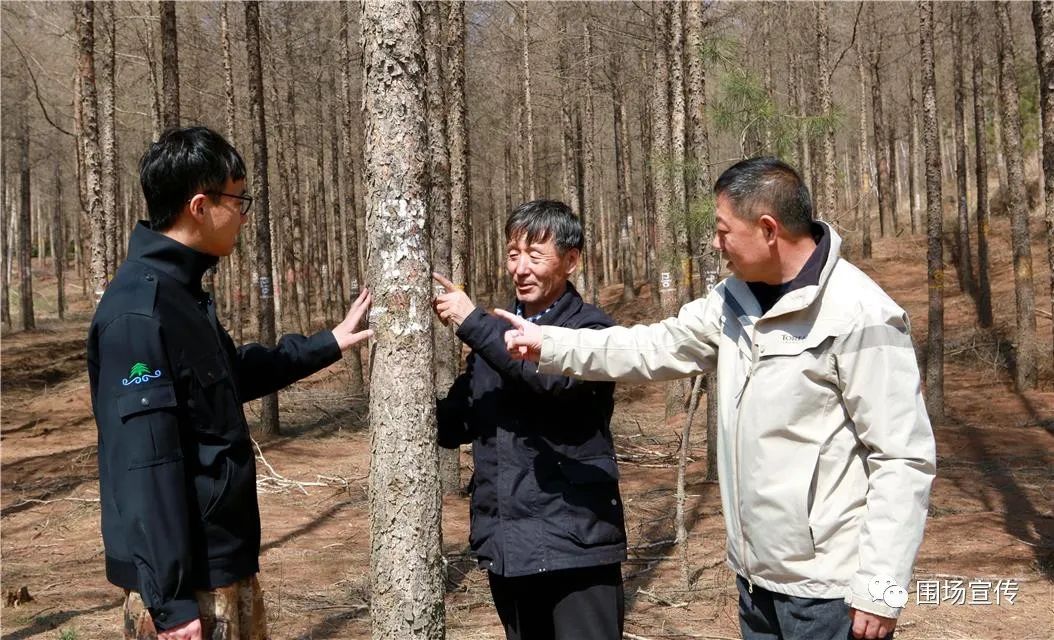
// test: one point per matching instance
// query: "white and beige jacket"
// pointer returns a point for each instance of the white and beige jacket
(825, 451)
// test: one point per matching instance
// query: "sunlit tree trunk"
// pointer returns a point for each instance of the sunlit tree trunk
(934, 220)
(265, 325)
(169, 65)
(1017, 205)
(406, 564)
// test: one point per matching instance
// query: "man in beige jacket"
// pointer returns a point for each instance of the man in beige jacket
(825, 451)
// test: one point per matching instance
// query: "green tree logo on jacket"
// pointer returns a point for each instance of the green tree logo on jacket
(139, 373)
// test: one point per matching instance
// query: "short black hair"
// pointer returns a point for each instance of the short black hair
(185, 161)
(544, 219)
(772, 182)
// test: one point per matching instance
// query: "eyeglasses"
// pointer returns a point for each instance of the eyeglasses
(247, 201)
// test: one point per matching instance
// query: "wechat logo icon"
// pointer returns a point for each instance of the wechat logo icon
(886, 589)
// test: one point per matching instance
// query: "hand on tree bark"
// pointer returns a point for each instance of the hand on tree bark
(345, 331)
(524, 340)
(454, 305)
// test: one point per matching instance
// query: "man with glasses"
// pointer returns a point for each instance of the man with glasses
(177, 476)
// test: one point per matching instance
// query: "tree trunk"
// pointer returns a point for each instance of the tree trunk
(300, 268)
(984, 287)
(169, 65)
(894, 173)
(108, 136)
(58, 244)
(568, 175)
(1043, 25)
(913, 154)
(349, 242)
(677, 147)
(90, 143)
(1017, 203)
(934, 220)
(528, 111)
(457, 133)
(682, 475)
(265, 326)
(965, 261)
(667, 173)
(335, 216)
(406, 565)
(447, 346)
(588, 206)
(25, 229)
(625, 262)
(885, 191)
(236, 271)
(824, 82)
(864, 199)
(5, 242)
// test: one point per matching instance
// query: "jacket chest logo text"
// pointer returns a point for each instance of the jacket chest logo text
(139, 374)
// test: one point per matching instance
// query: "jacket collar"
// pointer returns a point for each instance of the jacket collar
(565, 306)
(795, 300)
(175, 259)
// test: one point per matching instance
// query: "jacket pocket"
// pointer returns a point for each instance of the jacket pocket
(213, 404)
(591, 512)
(212, 490)
(152, 398)
(775, 513)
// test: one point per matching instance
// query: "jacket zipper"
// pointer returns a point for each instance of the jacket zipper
(739, 502)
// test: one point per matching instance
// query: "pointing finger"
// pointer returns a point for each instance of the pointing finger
(514, 319)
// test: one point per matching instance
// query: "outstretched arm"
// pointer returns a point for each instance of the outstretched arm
(261, 370)
(674, 348)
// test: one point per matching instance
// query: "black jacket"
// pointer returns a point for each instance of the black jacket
(545, 489)
(177, 475)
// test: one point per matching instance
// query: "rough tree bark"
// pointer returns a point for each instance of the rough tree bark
(169, 65)
(89, 106)
(1017, 203)
(108, 134)
(265, 326)
(349, 239)
(913, 154)
(457, 135)
(528, 110)
(236, 276)
(447, 346)
(885, 190)
(621, 183)
(677, 148)
(58, 244)
(1043, 25)
(863, 200)
(984, 287)
(587, 144)
(934, 220)
(965, 261)
(824, 85)
(406, 571)
(25, 227)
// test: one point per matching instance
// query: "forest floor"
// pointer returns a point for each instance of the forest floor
(990, 516)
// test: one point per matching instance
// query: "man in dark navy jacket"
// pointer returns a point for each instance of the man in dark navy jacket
(177, 475)
(547, 517)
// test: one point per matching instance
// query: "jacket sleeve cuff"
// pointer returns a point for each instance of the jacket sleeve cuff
(174, 613)
(547, 356)
(863, 602)
(473, 331)
(324, 345)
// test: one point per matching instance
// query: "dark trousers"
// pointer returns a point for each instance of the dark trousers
(766, 615)
(572, 604)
